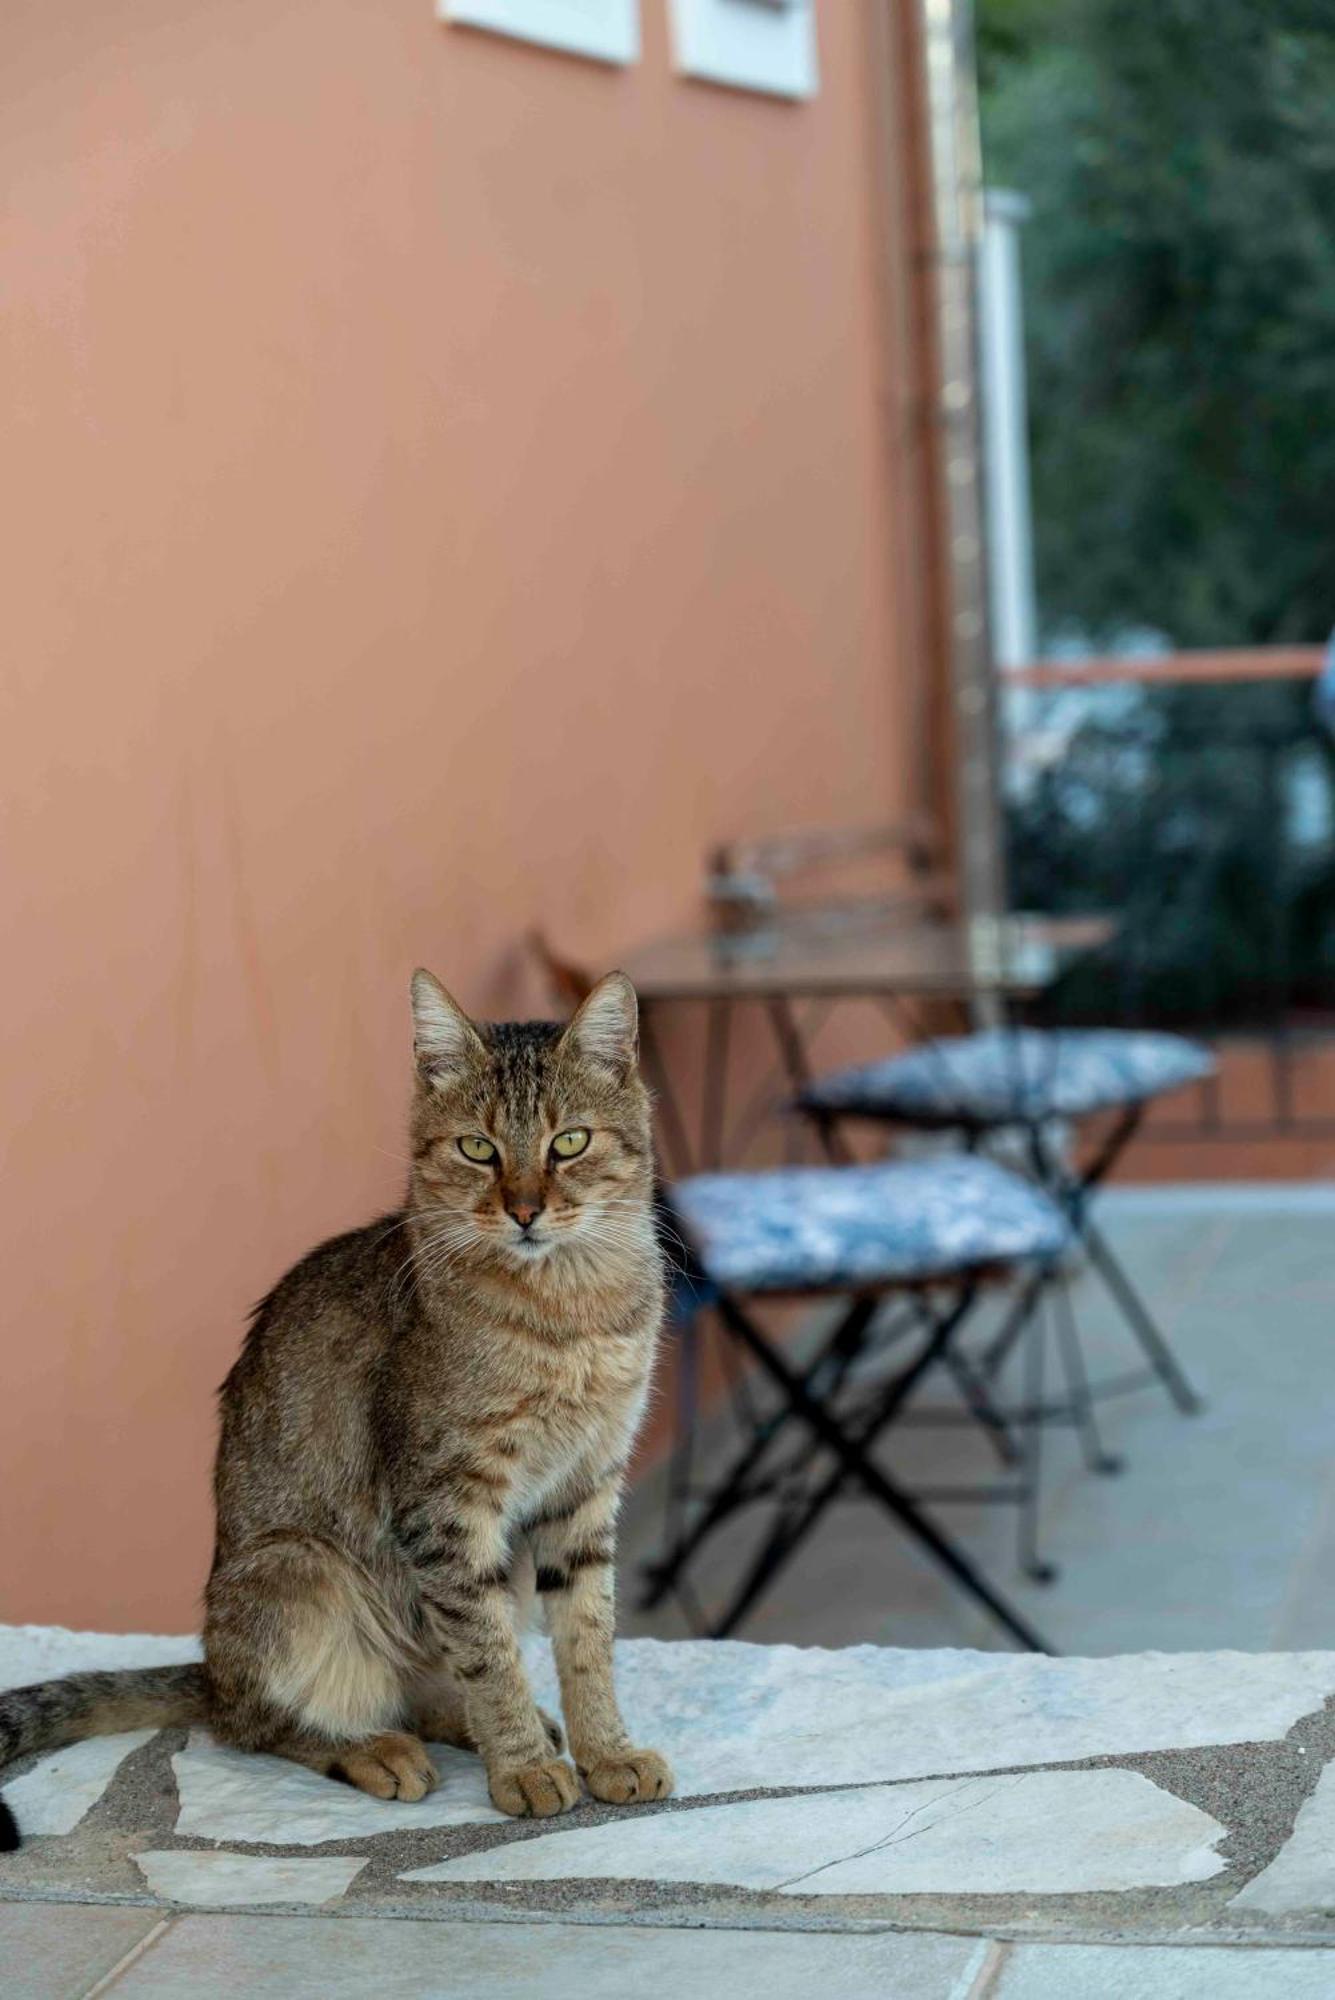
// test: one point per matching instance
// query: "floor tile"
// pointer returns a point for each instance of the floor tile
(1125, 1972)
(302, 1958)
(56, 1951)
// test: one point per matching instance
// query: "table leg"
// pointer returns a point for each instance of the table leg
(798, 1070)
(714, 1104)
(671, 1124)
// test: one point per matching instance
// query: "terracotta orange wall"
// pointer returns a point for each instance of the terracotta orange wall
(446, 485)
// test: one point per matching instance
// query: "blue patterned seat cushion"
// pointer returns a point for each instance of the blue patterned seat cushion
(826, 1228)
(1006, 1076)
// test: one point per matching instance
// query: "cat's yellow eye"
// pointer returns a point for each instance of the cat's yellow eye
(569, 1145)
(474, 1147)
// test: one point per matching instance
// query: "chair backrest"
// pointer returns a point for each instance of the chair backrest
(751, 882)
(570, 982)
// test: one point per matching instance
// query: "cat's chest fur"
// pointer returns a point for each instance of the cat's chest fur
(534, 1397)
(560, 1413)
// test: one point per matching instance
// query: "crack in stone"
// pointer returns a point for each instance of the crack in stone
(892, 1838)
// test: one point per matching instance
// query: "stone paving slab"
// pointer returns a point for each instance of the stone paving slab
(267, 1801)
(1301, 1877)
(54, 1797)
(743, 1717)
(1153, 1797)
(241, 1881)
(1028, 1833)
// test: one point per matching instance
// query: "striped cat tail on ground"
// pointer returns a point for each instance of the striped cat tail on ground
(53, 1713)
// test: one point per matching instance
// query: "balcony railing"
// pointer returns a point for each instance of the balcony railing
(1191, 797)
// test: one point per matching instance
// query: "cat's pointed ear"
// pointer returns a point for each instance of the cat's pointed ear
(444, 1039)
(606, 1030)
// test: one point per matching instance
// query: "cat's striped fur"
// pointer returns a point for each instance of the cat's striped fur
(423, 1410)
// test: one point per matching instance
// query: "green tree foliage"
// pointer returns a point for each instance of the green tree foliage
(1200, 816)
(1010, 31)
(1180, 302)
(1180, 305)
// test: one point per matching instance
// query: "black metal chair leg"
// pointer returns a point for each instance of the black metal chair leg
(789, 1531)
(970, 1579)
(1137, 1315)
(1097, 1458)
(793, 1526)
(1011, 1331)
(1031, 1561)
(1075, 1192)
(981, 1407)
(779, 1545)
(896, 1502)
(681, 1463)
(661, 1577)
(780, 1548)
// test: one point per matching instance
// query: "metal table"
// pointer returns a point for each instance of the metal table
(798, 973)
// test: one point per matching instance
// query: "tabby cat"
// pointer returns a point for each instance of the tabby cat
(424, 1410)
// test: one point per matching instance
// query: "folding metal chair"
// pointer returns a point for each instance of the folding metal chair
(920, 1239)
(1027, 1082)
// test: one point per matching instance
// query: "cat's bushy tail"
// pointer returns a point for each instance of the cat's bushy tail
(53, 1713)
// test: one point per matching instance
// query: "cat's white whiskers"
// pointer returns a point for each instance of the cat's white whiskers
(430, 1257)
(441, 1249)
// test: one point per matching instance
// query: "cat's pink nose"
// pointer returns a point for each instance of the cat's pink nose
(525, 1213)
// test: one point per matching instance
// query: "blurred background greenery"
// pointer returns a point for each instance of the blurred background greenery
(1179, 297)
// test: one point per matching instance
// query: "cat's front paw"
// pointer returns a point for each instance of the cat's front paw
(535, 1791)
(629, 1776)
(394, 1765)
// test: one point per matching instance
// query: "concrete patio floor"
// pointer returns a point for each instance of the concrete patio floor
(1220, 1532)
(82, 1954)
